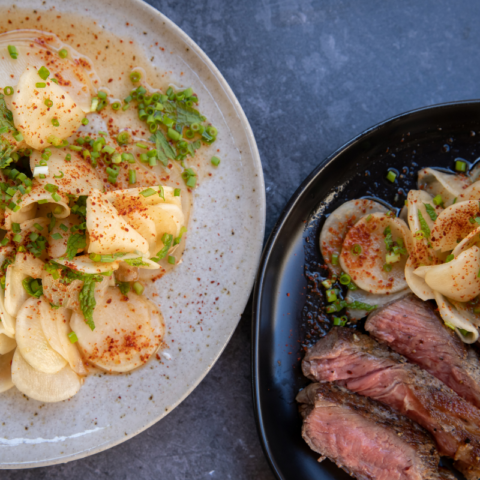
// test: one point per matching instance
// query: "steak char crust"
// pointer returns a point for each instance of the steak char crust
(362, 365)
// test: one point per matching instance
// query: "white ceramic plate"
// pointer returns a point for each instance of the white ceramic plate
(202, 300)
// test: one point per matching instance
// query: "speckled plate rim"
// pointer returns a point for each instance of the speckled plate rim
(255, 245)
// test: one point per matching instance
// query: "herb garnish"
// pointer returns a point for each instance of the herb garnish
(431, 211)
(86, 295)
(423, 225)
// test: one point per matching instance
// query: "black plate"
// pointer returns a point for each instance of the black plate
(433, 136)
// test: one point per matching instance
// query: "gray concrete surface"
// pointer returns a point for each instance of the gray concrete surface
(309, 75)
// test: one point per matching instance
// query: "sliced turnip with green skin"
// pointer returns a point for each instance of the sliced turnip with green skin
(6, 371)
(140, 261)
(457, 279)
(44, 387)
(7, 344)
(32, 342)
(84, 264)
(448, 186)
(128, 330)
(370, 299)
(454, 224)
(364, 254)
(454, 319)
(417, 283)
(417, 209)
(339, 222)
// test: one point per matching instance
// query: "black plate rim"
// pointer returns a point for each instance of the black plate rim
(270, 245)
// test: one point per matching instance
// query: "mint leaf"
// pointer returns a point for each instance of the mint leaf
(186, 116)
(164, 150)
(87, 300)
(75, 242)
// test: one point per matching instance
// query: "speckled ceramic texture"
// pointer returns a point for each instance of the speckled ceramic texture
(201, 300)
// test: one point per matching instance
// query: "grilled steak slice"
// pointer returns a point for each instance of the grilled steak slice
(365, 438)
(411, 328)
(364, 366)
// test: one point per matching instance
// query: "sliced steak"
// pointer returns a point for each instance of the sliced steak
(365, 438)
(411, 328)
(364, 366)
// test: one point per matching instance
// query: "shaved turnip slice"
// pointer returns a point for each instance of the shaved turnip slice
(44, 387)
(418, 202)
(29, 207)
(337, 225)
(457, 279)
(140, 261)
(75, 176)
(61, 294)
(36, 49)
(56, 326)
(7, 344)
(25, 265)
(448, 186)
(32, 342)
(151, 216)
(364, 254)
(454, 224)
(35, 119)
(15, 294)
(108, 231)
(70, 350)
(7, 321)
(417, 283)
(125, 334)
(453, 319)
(6, 371)
(473, 238)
